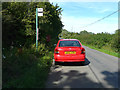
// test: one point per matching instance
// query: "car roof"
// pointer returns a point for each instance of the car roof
(68, 40)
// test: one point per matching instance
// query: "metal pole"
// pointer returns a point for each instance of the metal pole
(36, 28)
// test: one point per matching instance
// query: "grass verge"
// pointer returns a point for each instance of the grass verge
(103, 50)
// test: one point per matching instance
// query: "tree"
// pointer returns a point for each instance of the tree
(84, 32)
(19, 26)
(115, 42)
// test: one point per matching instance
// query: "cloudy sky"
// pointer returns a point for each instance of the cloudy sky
(77, 15)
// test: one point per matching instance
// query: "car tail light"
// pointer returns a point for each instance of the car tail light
(83, 51)
(56, 51)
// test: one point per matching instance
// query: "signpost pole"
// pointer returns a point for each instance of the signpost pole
(39, 12)
(36, 28)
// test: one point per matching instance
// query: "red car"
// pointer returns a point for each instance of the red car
(69, 50)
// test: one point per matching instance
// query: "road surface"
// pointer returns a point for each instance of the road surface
(99, 71)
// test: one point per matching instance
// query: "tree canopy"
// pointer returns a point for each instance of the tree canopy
(19, 20)
(99, 40)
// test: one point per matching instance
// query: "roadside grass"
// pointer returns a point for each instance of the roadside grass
(33, 77)
(105, 49)
(26, 70)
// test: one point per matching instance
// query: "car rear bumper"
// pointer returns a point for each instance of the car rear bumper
(59, 60)
(79, 58)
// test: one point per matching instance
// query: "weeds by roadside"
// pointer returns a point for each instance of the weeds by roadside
(26, 68)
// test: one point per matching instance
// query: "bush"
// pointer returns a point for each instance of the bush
(21, 69)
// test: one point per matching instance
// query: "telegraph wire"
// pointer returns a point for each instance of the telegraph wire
(101, 19)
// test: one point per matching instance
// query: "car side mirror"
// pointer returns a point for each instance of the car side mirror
(55, 45)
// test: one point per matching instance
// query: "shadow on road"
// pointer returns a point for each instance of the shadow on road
(75, 79)
(111, 78)
(71, 79)
(87, 62)
(62, 78)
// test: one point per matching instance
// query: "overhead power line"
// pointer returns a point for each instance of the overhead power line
(101, 19)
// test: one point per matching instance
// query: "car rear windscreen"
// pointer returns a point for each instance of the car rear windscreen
(69, 44)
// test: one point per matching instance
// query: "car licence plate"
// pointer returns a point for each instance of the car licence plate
(70, 52)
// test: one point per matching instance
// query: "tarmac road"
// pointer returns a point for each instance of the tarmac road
(99, 71)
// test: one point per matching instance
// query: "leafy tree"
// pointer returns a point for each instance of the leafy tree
(98, 40)
(19, 25)
(18, 39)
(115, 42)
(84, 32)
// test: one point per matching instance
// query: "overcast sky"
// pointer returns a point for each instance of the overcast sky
(76, 15)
